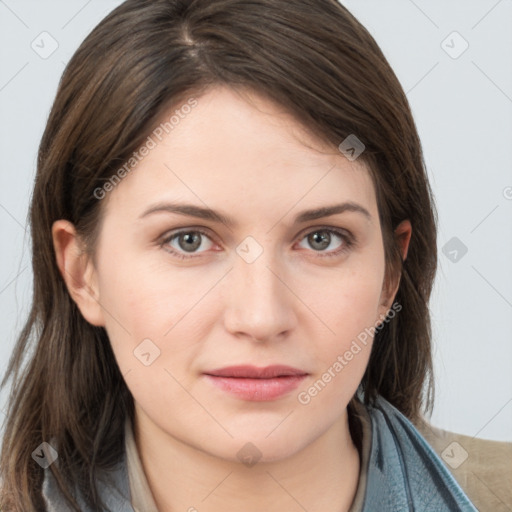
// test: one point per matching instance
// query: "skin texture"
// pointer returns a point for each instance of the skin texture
(291, 305)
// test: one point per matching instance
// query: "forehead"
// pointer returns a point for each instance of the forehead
(233, 151)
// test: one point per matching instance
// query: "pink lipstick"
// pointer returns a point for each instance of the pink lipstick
(256, 384)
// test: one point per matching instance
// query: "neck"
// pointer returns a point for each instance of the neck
(323, 476)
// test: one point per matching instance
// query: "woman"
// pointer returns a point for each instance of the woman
(234, 244)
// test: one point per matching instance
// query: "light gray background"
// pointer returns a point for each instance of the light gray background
(462, 107)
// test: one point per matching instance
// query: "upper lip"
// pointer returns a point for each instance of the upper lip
(249, 371)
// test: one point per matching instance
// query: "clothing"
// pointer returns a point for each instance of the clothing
(399, 472)
(486, 473)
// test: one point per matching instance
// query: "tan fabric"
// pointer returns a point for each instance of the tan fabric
(482, 468)
(142, 498)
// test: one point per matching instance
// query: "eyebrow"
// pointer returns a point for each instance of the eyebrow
(192, 210)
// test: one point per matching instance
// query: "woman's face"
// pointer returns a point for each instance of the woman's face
(270, 286)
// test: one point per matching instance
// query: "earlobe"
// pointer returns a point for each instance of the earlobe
(77, 270)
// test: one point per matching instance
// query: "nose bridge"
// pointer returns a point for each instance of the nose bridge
(259, 303)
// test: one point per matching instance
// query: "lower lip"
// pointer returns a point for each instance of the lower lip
(257, 390)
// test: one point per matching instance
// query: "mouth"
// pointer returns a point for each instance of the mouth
(256, 384)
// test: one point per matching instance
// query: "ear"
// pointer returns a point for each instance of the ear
(402, 236)
(77, 271)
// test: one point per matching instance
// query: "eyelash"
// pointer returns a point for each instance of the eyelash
(347, 237)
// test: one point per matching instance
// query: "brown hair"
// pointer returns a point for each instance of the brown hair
(310, 56)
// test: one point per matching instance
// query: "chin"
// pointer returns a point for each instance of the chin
(250, 448)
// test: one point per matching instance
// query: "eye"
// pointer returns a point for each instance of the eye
(186, 242)
(321, 238)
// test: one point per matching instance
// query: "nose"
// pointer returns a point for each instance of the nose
(259, 303)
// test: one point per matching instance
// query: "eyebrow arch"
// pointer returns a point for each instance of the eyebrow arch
(209, 214)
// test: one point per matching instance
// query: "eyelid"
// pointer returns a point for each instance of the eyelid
(338, 230)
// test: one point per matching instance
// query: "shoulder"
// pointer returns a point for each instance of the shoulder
(404, 472)
(483, 468)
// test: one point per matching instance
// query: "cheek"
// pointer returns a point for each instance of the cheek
(164, 305)
(354, 309)
(347, 300)
(343, 350)
(147, 298)
(348, 308)
(149, 331)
